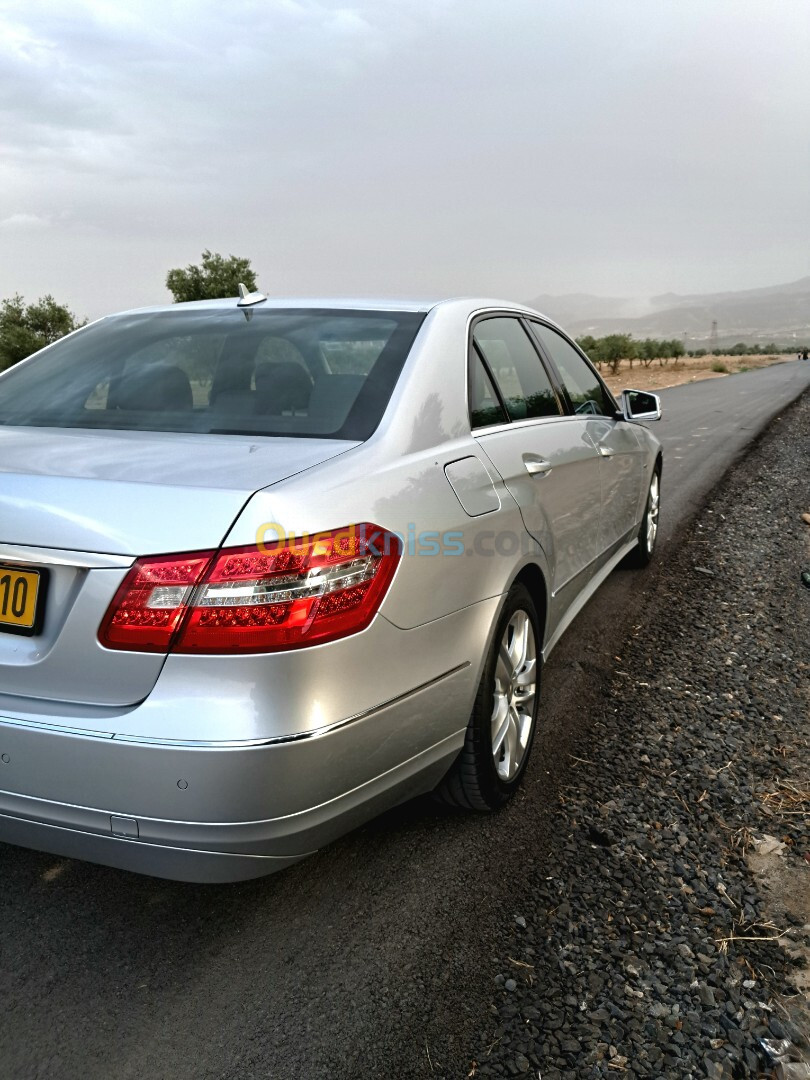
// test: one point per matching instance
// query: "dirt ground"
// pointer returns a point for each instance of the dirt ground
(688, 369)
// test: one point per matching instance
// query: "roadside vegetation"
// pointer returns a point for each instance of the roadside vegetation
(26, 328)
(653, 365)
(615, 350)
(686, 369)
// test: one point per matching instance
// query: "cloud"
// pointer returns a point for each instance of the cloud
(394, 145)
(24, 221)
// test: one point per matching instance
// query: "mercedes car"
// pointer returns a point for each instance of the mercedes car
(269, 567)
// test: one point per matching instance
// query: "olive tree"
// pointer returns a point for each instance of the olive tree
(214, 278)
(26, 328)
(617, 347)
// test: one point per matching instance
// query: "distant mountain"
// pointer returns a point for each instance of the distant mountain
(779, 313)
(575, 307)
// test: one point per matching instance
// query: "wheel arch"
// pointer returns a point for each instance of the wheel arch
(532, 576)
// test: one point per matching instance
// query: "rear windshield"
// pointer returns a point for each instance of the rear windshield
(239, 371)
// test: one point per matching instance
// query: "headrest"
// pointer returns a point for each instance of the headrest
(281, 387)
(155, 388)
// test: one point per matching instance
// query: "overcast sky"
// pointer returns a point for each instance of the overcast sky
(621, 147)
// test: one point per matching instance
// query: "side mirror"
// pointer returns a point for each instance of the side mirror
(639, 405)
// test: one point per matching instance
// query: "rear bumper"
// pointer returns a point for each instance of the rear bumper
(159, 860)
(231, 770)
(224, 812)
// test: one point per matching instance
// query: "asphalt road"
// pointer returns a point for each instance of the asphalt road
(707, 425)
(374, 957)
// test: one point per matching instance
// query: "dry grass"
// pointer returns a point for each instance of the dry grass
(676, 372)
(788, 799)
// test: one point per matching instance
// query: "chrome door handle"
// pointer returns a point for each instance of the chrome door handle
(605, 451)
(535, 466)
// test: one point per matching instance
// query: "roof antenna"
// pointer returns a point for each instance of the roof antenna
(246, 297)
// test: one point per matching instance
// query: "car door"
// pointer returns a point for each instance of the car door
(546, 458)
(621, 455)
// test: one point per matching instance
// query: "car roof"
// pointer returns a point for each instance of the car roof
(360, 303)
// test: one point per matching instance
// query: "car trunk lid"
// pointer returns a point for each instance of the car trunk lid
(78, 507)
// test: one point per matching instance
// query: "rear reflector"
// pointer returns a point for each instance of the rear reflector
(283, 595)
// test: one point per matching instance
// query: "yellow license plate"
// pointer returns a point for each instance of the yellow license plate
(19, 593)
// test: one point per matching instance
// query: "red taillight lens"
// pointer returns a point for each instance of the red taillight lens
(281, 596)
(152, 599)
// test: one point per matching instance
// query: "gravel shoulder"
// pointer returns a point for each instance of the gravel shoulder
(657, 937)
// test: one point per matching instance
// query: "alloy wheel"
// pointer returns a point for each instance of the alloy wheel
(514, 695)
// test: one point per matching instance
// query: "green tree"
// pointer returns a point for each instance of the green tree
(26, 328)
(617, 347)
(590, 346)
(587, 343)
(649, 350)
(216, 277)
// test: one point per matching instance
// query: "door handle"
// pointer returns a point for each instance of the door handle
(605, 451)
(535, 466)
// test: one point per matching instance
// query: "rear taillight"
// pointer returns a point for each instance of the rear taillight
(283, 595)
(151, 602)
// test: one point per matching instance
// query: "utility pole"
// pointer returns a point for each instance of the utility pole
(713, 336)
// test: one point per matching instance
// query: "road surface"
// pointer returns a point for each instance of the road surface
(371, 959)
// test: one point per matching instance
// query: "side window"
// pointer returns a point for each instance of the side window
(584, 388)
(484, 405)
(516, 367)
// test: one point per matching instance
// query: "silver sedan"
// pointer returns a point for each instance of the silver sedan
(270, 567)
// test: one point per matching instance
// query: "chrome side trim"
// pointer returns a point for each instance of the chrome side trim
(87, 560)
(238, 744)
(61, 729)
(316, 733)
(532, 421)
(300, 736)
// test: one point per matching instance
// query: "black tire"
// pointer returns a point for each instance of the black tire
(473, 782)
(642, 554)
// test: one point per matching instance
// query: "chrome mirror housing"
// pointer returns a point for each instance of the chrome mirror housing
(640, 405)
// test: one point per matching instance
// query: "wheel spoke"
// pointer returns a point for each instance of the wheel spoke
(524, 704)
(524, 729)
(500, 722)
(520, 640)
(526, 676)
